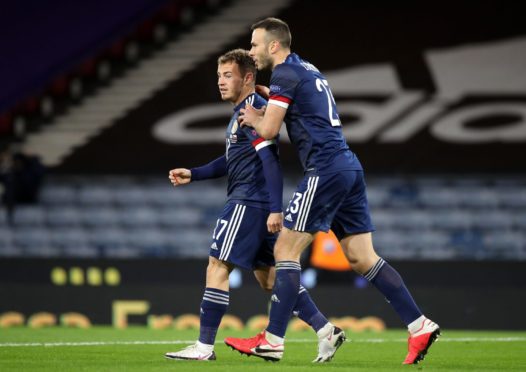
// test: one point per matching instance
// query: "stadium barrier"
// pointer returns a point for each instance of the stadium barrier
(167, 293)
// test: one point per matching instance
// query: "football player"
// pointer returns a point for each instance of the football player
(331, 196)
(245, 232)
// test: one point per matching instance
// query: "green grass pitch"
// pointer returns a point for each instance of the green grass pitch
(141, 349)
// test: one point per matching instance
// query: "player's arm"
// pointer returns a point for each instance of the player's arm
(214, 169)
(267, 123)
(281, 93)
(267, 152)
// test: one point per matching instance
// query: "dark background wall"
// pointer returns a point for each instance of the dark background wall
(463, 295)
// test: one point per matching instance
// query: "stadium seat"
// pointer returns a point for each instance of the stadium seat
(29, 215)
(377, 196)
(108, 237)
(412, 219)
(58, 194)
(179, 217)
(519, 220)
(384, 218)
(512, 197)
(100, 216)
(164, 196)
(82, 251)
(69, 237)
(7, 247)
(477, 197)
(434, 197)
(508, 243)
(150, 242)
(489, 219)
(130, 196)
(451, 219)
(95, 196)
(64, 216)
(138, 216)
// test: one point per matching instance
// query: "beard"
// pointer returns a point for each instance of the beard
(265, 62)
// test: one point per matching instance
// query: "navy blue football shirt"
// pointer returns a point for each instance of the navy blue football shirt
(246, 179)
(312, 121)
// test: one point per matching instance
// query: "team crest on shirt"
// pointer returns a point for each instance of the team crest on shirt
(234, 127)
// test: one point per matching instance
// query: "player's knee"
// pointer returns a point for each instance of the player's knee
(217, 268)
(283, 252)
(266, 284)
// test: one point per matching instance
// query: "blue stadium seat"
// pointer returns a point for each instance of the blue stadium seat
(451, 219)
(519, 220)
(29, 215)
(389, 243)
(512, 197)
(150, 242)
(377, 196)
(69, 237)
(81, 251)
(108, 238)
(32, 237)
(100, 216)
(3, 216)
(43, 251)
(130, 196)
(467, 243)
(402, 195)
(58, 194)
(434, 197)
(165, 196)
(510, 242)
(7, 246)
(477, 197)
(384, 218)
(416, 219)
(179, 217)
(64, 216)
(95, 195)
(138, 216)
(189, 243)
(489, 219)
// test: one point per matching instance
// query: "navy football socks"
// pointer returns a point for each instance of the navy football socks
(284, 296)
(384, 277)
(213, 307)
(308, 312)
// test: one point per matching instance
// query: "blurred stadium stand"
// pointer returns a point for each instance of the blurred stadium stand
(131, 217)
(130, 79)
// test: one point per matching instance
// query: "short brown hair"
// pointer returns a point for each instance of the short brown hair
(277, 28)
(241, 58)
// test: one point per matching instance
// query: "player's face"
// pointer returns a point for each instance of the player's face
(229, 81)
(259, 50)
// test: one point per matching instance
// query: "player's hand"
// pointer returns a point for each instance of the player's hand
(249, 116)
(263, 91)
(180, 176)
(275, 222)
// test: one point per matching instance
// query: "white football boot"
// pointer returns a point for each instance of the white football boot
(329, 344)
(196, 351)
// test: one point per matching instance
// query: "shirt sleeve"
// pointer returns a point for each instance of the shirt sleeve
(283, 83)
(215, 169)
(273, 177)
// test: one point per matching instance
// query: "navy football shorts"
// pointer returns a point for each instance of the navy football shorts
(334, 201)
(241, 237)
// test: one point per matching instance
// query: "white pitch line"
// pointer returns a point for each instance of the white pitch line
(174, 342)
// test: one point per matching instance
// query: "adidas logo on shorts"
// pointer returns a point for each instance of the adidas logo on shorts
(214, 246)
(288, 217)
